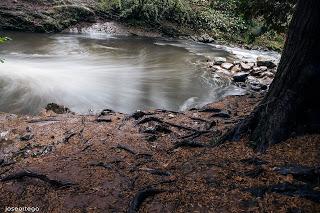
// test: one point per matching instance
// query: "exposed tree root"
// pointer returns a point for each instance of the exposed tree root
(194, 135)
(188, 143)
(30, 174)
(105, 120)
(287, 189)
(68, 137)
(215, 110)
(101, 164)
(156, 172)
(158, 120)
(140, 197)
(43, 120)
(125, 148)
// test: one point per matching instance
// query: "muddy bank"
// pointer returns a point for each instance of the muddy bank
(152, 161)
(44, 16)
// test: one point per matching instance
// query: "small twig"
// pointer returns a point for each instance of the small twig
(199, 119)
(68, 137)
(187, 143)
(125, 148)
(43, 120)
(87, 147)
(101, 164)
(156, 171)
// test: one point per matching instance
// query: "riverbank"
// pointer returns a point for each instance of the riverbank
(57, 16)
(152, 161)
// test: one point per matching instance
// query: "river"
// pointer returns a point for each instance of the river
(88, 73)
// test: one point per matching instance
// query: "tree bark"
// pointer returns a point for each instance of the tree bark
(292, 104)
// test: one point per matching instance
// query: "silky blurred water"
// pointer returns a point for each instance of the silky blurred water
(93, 72)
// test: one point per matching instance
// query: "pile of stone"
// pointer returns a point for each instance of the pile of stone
(256, 76)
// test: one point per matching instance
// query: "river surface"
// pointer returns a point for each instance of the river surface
(88, 73)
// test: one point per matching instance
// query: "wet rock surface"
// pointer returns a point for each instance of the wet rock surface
(77, 164)
(253, 76)
(49, 16)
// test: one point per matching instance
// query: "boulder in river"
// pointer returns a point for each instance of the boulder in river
(268, 74)
(240, 77)
(219, 60)
(227, 66)
(265, 61)
(224, 72)
(205, 38)
(236, 69)
(246, 66)
(255, 84)
(26, 137)
(56, 108)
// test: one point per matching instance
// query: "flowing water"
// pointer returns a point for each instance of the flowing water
(93, 72)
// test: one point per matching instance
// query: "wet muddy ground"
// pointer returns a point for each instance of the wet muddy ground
(153, 161)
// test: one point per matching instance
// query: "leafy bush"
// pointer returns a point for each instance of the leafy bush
(233, 20)
(150, 11)
(275, 14)
(2, 39)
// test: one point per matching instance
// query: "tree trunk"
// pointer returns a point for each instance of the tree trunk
(292, 104)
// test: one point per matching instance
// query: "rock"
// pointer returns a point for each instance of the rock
(106, 112)
(219, 60)
(236, 69)
(266, 80)
(26, 137)
(236, 62)
(268, 74)
(59, 109)
(246, 66)
(29, 129)
(41, 19)
(3, 135)
(257, 71)
(205, 38)
(138, 114)
(227, 66)
(255, 84)
(265, 61)
(171, 116)
(216, 68)
(224, 72)
(210, 64)
(252, 80)
(240, 77)
(263, 68)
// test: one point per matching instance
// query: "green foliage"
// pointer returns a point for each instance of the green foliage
(240, 21)
(275, 14)
(149, 11)
(3, 39)
(219, 20)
